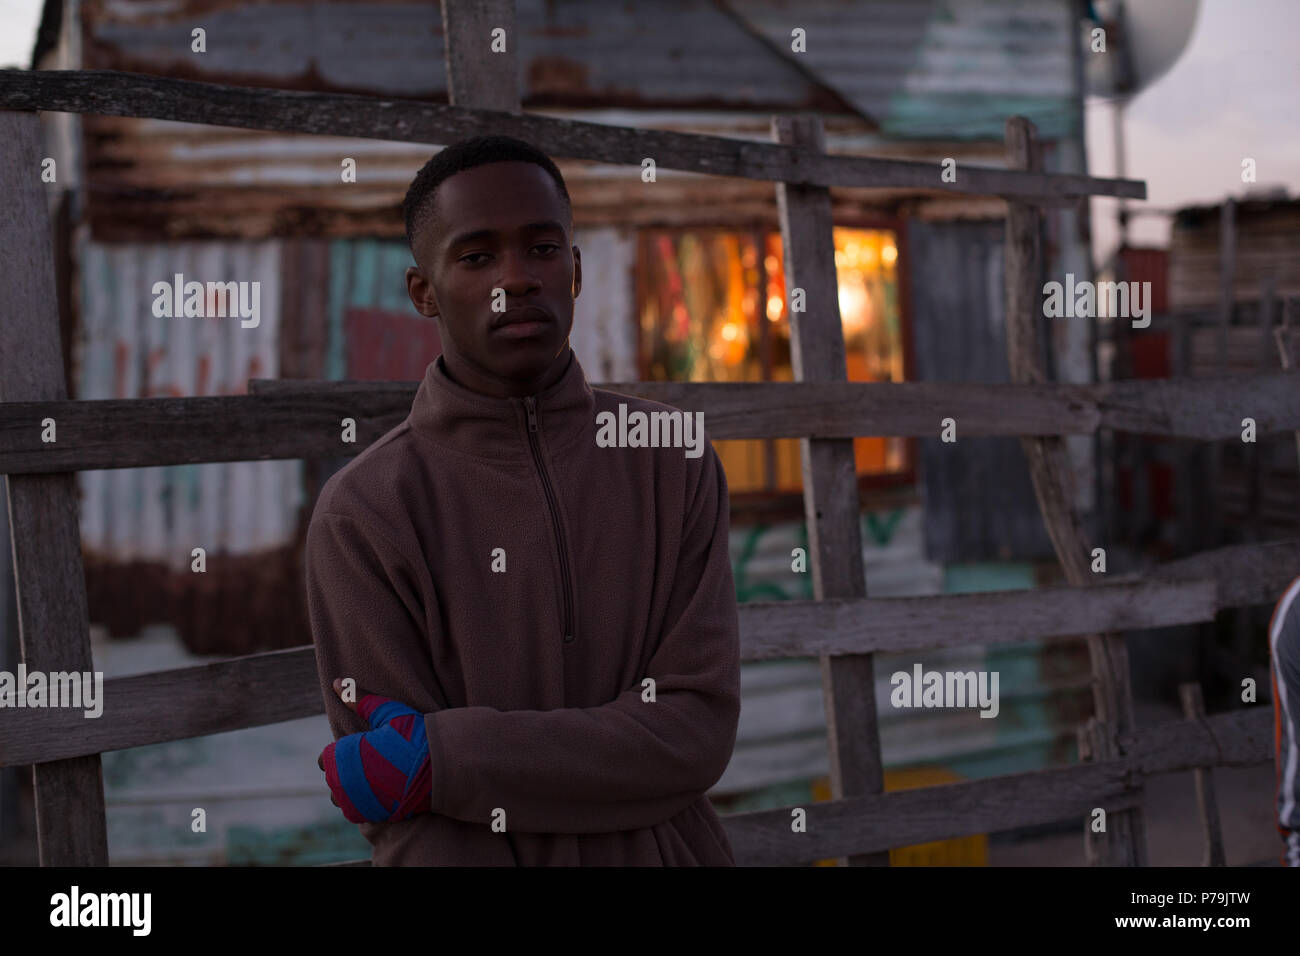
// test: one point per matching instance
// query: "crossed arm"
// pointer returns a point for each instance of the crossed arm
(627, 764)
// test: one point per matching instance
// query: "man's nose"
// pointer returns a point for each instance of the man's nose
(518, 274)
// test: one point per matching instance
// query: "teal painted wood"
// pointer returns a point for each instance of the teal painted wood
(309, 845)
(364, 274)
(395, 261)
(340, 282)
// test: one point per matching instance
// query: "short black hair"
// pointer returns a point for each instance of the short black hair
(417, 208)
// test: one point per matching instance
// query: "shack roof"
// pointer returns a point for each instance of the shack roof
(929, 79)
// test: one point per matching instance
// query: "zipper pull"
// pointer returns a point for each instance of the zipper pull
(531, 404)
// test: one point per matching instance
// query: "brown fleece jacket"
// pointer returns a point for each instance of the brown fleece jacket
(531, 679)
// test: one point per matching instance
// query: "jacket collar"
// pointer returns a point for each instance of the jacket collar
(453, 416)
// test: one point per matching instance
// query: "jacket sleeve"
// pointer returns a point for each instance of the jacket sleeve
(631, 763)
(368, 619)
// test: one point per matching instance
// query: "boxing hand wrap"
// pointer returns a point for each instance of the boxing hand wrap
(381, 775)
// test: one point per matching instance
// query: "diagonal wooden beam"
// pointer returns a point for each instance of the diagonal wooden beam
(1050, 470)
(111, 93)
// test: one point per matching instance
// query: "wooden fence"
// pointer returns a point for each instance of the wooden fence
(843, 627)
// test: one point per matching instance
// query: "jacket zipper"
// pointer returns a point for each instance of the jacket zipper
(530, 404)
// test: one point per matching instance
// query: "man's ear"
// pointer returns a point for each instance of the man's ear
(577, 270)
(420, 290)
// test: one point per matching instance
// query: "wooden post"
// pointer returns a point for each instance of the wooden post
(1253, 456)
(9, 657)
(1050, 470)
(1097, 743)
(1214, 517)
(53, 620)
(830, 482)
(1285, 352)
(477, 75)
(1185, 452)
(1282, 335)
(1194, 709)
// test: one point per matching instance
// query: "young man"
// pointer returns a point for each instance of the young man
(541, 630)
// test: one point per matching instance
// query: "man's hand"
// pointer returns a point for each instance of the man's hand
(381, 775)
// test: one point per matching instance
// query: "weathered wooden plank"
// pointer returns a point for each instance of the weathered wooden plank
(1206, 801)
(53, 621)
(1238, 738)
(1201, 409)
(1194, 408)
(868, 824)
(139, 432)
(784, 629)
(1247, 574)
(830, 485)
(855, 825)
(994, 804)
(206, 699)
(230, 695)
(482, 70)
(1050, 469)
(299, 419)
(111, 93)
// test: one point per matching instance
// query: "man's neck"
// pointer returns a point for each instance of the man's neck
(509, 388)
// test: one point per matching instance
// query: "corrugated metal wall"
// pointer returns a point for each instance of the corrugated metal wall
(921, 78)
(979, 499)
(140, 525)
(951, 69)
(125, 351)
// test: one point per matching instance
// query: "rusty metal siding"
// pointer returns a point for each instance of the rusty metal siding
(125, 351)
(948, 71)
(979, 500)
(577, 53)
(139, 525)
(937, 68)
(915, 65)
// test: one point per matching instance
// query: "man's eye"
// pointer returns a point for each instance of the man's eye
(547, 249)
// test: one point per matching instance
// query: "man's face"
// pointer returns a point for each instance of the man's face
(499, 226)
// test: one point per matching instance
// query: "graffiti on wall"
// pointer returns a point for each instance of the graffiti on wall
(762, 565)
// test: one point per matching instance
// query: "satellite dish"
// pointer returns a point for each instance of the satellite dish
(1143, 40)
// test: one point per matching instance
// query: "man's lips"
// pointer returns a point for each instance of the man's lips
(521, 316)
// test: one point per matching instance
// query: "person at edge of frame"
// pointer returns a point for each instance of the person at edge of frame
(1284, 665)
(528, 642)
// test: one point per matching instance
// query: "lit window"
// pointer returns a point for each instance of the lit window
(712, 307)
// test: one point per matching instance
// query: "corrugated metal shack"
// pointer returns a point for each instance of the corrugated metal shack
(150, 199)
(1221, 293)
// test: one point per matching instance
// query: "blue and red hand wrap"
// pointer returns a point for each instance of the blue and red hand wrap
(381, 775)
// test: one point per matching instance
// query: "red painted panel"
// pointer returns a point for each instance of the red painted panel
(389, 346)
(1150, 354)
